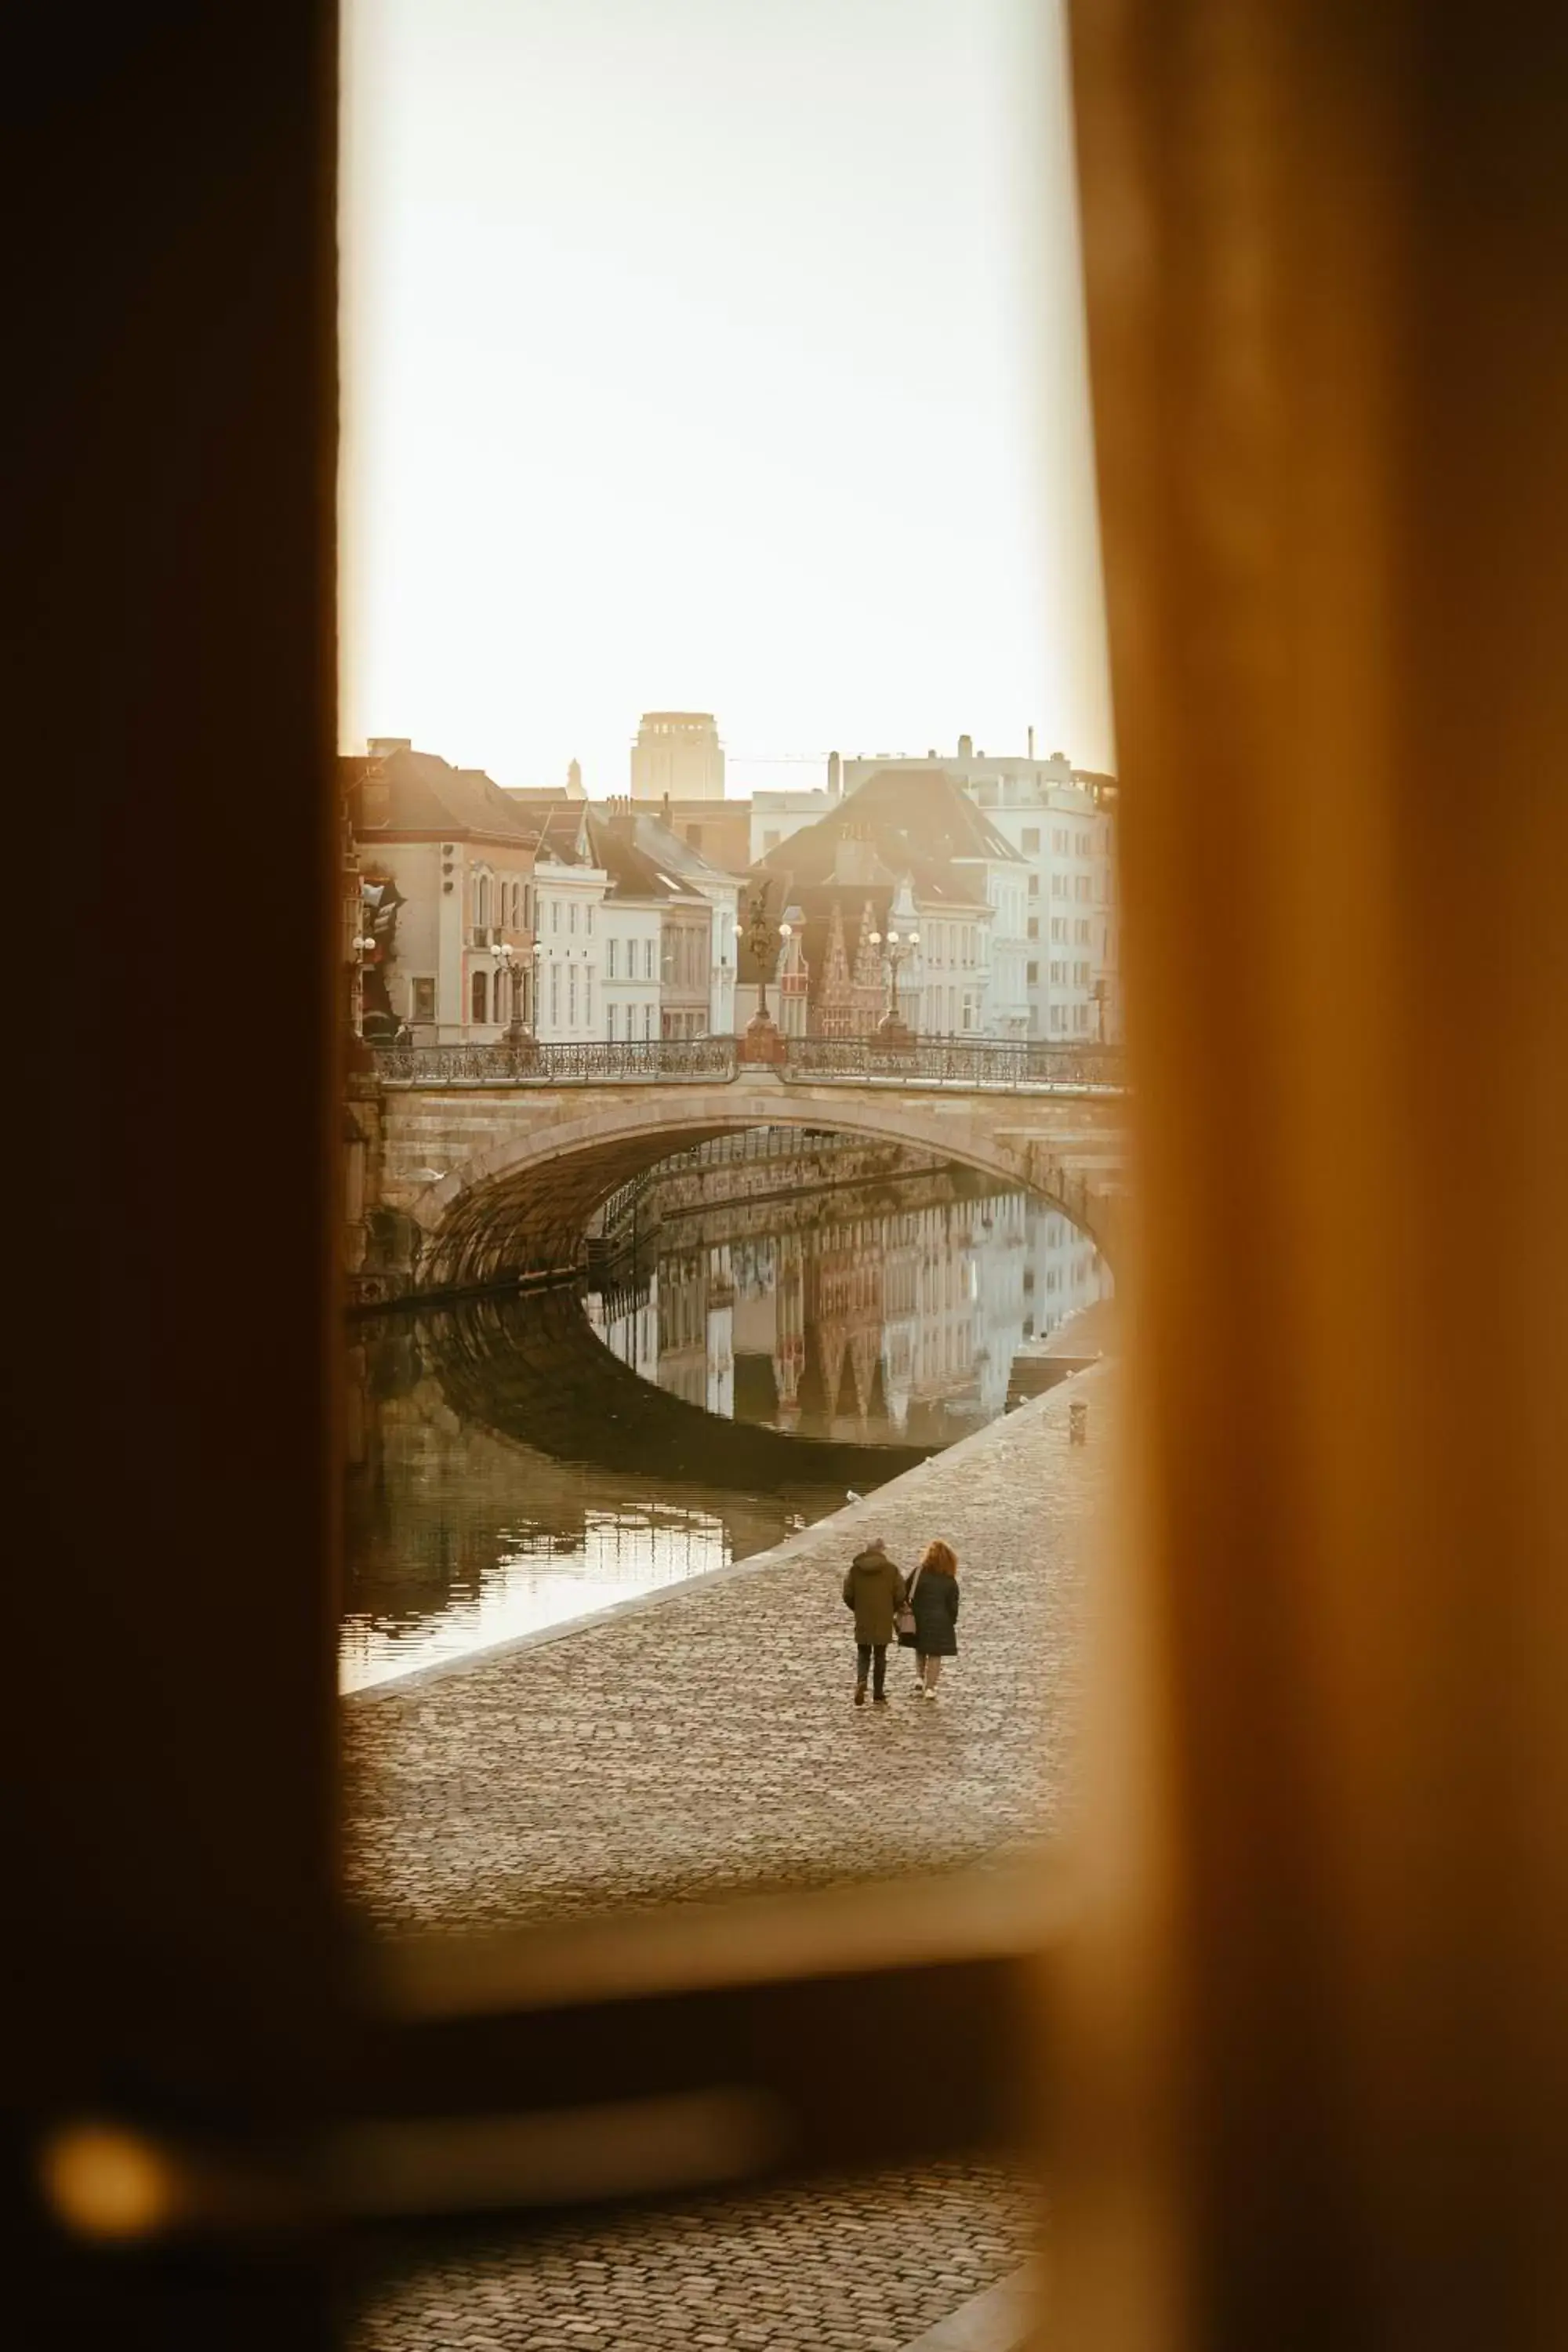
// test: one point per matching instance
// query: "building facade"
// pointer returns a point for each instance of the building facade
(705, 958)
(448, 849)
(570, 884)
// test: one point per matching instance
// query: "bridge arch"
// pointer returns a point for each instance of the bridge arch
(526, 1179)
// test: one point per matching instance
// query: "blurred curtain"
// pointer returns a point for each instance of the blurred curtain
(1317, 2036)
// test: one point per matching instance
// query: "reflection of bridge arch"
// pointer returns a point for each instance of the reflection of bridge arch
(531, 1369)
(519, 1173)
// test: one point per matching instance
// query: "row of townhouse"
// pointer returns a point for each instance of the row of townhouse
(583, 923)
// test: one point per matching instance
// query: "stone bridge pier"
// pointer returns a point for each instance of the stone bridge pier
(469, 1185)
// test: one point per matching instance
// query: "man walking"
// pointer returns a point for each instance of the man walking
(874, 1589)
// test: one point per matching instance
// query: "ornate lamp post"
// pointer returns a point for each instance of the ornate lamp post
(516, 963)
(893, 1029)
(363, 951)
(764, 939)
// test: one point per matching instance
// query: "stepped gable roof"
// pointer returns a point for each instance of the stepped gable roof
(425, 795)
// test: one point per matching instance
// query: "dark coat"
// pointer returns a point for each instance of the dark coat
(873, 1589)
(936, 1603)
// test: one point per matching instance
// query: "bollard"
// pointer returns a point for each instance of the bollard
(1077, 1421)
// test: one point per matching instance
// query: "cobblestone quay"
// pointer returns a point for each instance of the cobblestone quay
(703, 1741)
(699, 1743)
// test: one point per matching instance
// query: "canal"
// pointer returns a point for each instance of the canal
(781, 1332)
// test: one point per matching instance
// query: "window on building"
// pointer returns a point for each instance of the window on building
(422, 1000)
(555, 914)
(610, 1021)
(556, 996)
(479, 995)
(587, 1000)
(647, 1018)
(572, 916)
(1031, 840)
(1032, 975)
(647, 956)
(588, 920)
(612, 954)
(1033, 885)
(1032, 928)
(572, 993)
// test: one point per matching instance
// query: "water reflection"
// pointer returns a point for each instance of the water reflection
(850, 1319)
(517, 1462)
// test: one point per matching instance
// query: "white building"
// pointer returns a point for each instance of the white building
(776, 815)
(1061, 823)
(677, 755)
(570, 888)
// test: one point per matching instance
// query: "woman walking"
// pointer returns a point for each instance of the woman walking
(933, 1597)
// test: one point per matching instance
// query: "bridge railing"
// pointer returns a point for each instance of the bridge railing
(997, 1062)
(1005, 1063)
(595, 1061)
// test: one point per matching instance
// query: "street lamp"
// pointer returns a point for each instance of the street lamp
(515, 962)
(892, 1028)
(763, 938)
(364, 953)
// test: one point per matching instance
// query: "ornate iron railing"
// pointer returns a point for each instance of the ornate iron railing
(956, 1061)
(664, 1060)
(960, 1061)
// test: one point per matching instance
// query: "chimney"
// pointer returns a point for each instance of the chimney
(382, 747)
(834, 776)
(966, 747)
(1031, 742)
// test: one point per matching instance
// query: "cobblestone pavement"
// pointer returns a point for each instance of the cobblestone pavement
(706, 1744)
(702, 1745)
(861, 2265)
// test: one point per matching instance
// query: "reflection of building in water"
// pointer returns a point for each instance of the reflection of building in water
(1065, 1273)
(892, 1324)
(696, 1317)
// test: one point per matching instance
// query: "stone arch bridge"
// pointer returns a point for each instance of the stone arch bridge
(463, 1183)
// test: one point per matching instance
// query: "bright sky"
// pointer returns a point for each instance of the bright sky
(714, 354)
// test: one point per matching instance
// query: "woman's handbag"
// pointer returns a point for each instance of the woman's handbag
(904, 1617)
